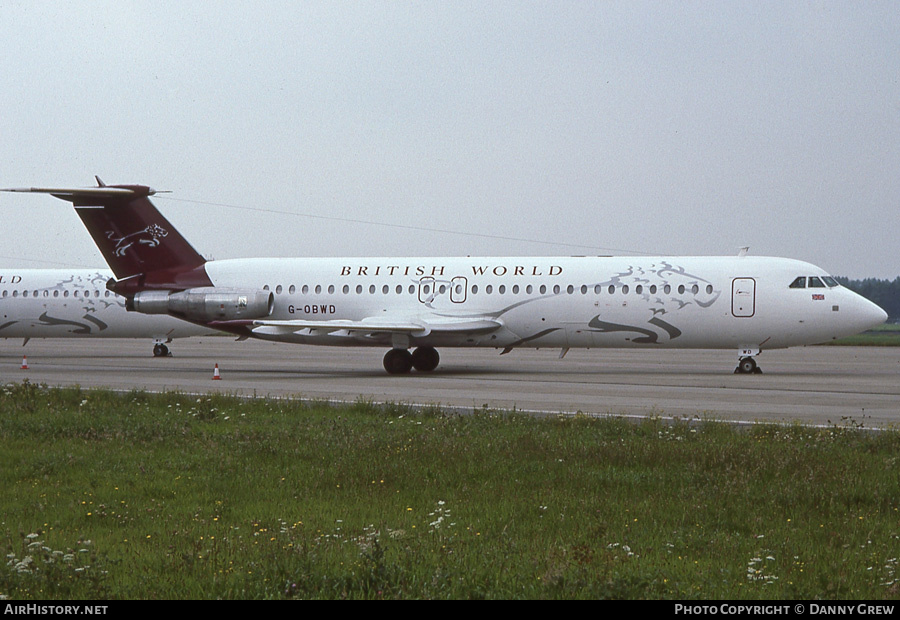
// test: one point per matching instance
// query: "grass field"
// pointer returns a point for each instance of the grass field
(107, 496)
(887, 335)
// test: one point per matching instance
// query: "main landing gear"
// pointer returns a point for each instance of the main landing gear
(401, 361)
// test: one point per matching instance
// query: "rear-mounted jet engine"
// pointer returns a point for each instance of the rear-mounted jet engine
(206, 304)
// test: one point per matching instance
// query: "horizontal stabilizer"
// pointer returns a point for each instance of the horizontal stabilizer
(70, 193)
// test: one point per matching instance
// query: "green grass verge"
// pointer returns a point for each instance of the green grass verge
(887, 335)
(107, 496)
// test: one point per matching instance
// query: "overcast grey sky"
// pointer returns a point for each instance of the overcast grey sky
(385, 128)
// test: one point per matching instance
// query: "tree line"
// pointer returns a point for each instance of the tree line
(885, 293)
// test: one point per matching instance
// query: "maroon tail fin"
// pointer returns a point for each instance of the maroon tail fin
(133, 236)
(138, 243)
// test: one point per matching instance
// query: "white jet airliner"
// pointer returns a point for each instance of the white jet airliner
(414, 305)
(75, 303)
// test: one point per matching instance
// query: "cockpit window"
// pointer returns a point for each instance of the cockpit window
(831, 282)
(799, 282)
(815, 282)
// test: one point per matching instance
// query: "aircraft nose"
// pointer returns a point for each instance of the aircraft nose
(870, 314)
(881, 315)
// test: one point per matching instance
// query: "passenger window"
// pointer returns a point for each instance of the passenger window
(815, 282)
(799, 282)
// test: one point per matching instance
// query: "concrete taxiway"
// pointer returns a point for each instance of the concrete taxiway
(845, 386)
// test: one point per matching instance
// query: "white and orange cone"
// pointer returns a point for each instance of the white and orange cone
(24, 362)
(216, 375)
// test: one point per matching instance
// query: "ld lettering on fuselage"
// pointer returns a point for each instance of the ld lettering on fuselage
(441, 270)
(10, 279)
(313, 309)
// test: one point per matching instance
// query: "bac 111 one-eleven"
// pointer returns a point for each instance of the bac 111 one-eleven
(413, 306)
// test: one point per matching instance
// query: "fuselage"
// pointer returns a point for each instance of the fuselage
(686, 302)
(741, 302)
(75, 303)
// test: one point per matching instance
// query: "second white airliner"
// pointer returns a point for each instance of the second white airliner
(75, 303)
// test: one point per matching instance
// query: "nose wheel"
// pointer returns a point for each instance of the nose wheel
(747, 366)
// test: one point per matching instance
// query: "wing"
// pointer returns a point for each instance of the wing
(376, 325)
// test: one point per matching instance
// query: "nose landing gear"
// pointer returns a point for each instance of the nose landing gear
(747, 366)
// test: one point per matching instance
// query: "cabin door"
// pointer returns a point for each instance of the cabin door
(743, 297)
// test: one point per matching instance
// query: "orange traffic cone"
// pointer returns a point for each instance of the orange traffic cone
(216, 373)
(24, 362)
